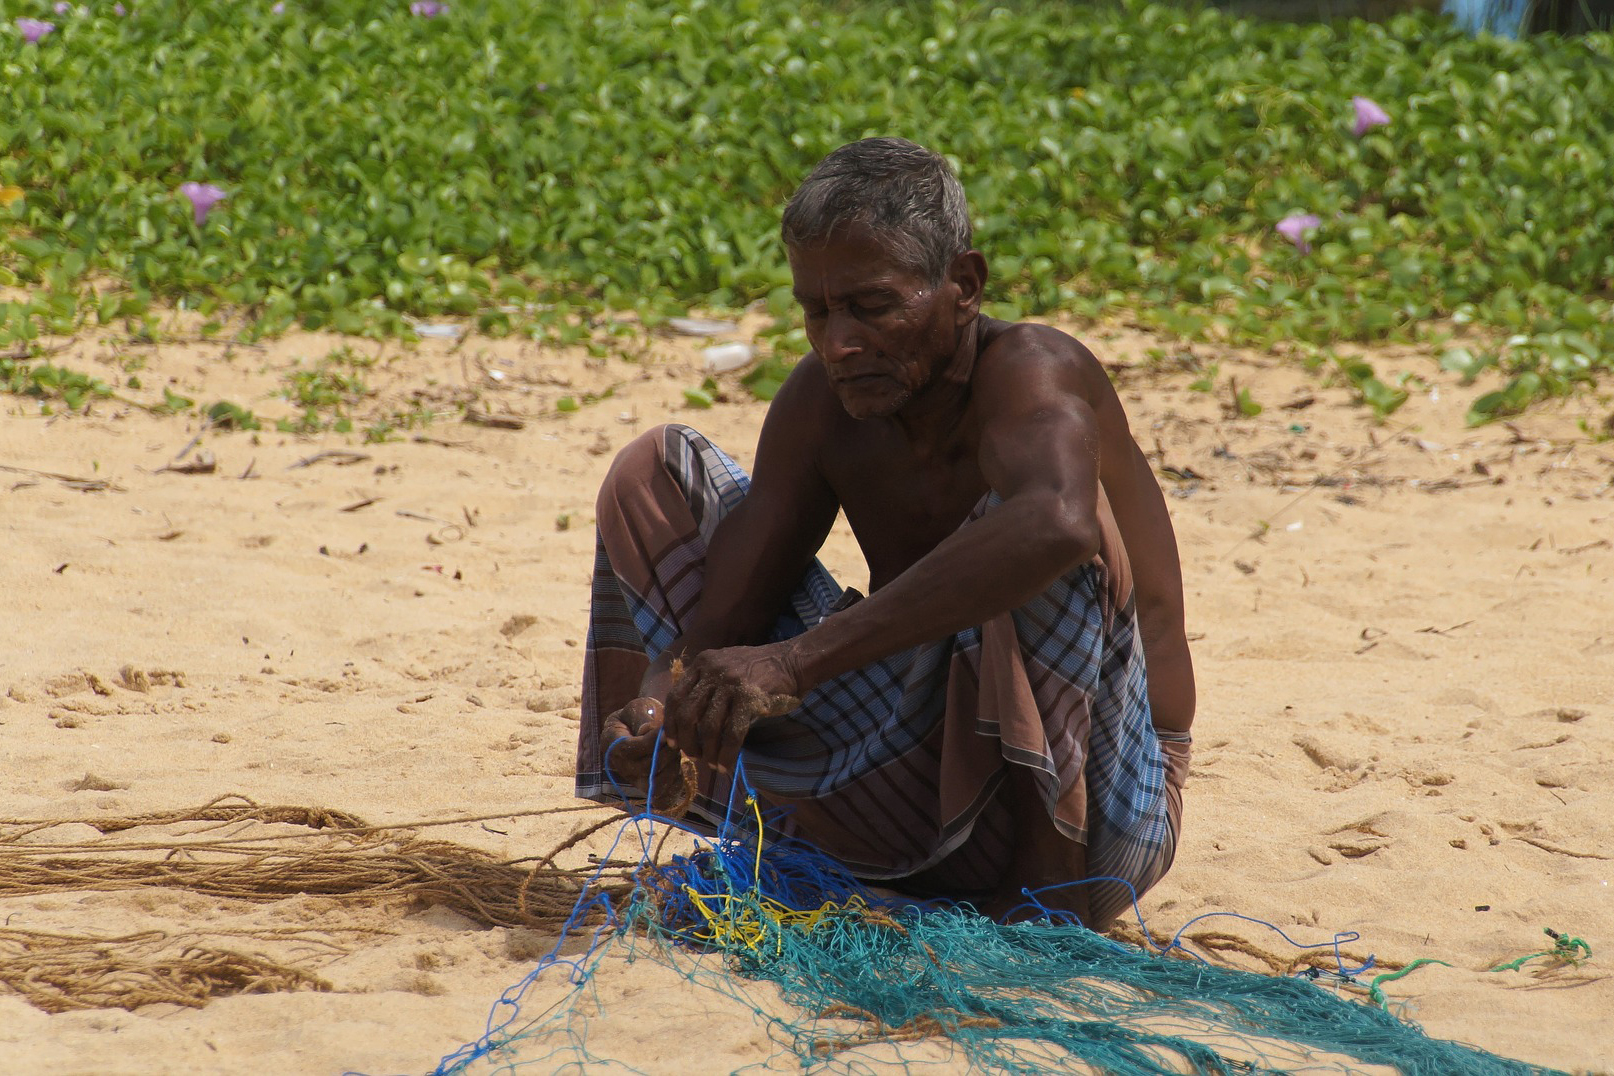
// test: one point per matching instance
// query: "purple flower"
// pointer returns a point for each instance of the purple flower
(1295, 226)
(428, 9)
(63, 7)
(1368, 116)
(119, 9)
(34, 29)
(203, 197)
(278, 9)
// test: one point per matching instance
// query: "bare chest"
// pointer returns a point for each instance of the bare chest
(901, 506)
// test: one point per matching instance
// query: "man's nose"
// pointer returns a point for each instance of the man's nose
(842, 336)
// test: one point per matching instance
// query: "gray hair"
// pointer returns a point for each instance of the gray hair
(903, 192)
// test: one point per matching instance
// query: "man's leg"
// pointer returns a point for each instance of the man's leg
(656, 513)
(1021, 752)
(1081, 789)
(656, 510)
(1043, 863)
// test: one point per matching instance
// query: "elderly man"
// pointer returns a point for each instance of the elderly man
(1009, 708)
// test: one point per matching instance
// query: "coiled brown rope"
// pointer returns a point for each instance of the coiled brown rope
(340, 857)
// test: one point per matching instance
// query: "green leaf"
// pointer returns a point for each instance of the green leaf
(174, 403)
(231, 416)
(1383, 399)
(1124, 161)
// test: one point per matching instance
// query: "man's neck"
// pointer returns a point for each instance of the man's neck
(933, 417)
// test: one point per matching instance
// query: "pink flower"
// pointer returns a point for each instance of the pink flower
(1368, 116)
(203, 197)
(34, 29)
(427, 8)
(1295, 227)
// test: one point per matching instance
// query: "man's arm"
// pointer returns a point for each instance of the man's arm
(756, 557)
(760, 550)
(1038, 449)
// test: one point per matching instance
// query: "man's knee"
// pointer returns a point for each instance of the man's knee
(633, 468)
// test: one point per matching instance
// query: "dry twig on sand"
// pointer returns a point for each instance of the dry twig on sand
(83, 485)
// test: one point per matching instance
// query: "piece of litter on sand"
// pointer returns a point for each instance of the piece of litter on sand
(440, 332)
(497, 422)
(722, 358)
(700, 326)
(201, 463)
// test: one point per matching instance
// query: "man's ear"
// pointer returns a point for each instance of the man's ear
(968, 275)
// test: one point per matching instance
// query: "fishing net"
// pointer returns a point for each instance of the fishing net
(833, 971)
(855, 969)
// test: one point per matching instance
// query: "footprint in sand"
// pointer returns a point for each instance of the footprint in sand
(1362, 838)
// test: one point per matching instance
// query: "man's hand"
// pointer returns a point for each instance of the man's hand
(722, 692)
(630, 737)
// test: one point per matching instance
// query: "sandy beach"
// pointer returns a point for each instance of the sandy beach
(1404, 635)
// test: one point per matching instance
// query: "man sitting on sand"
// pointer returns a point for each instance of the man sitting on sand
(1009, 708)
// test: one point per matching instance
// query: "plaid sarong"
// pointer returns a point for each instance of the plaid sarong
(896, 768)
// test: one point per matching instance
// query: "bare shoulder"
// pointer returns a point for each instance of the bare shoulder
(1025, 356)
(805, 397)
(801, 419)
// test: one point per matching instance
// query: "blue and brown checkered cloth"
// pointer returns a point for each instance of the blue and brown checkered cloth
(897, 768)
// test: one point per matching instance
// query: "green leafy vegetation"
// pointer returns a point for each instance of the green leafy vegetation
(387, 427)
(568, 404)
(514, 163)
(327, 392)
(1244, 403)
(232, 416)
(1383, 399)
(173, 403)
(48, 383)
(703, 397)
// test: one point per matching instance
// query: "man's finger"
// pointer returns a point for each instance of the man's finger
(688, 716)
(633, 751)
(679, 692)
(677, 705)
(626, 760)
(701, 703)
(642, 716)
(732, 736)
(742, 714)
(713, 723)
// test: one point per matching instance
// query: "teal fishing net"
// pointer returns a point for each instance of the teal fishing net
(852, 969)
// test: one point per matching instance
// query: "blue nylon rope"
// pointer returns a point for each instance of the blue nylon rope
(855, 968)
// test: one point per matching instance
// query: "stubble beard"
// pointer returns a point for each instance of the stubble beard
(864, 410)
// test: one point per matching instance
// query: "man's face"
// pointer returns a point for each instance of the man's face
(880, 327)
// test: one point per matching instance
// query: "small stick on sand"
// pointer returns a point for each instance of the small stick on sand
(340, 457)
(83, 485)
(497, 422)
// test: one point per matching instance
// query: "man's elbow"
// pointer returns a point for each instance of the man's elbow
(1063, 535)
